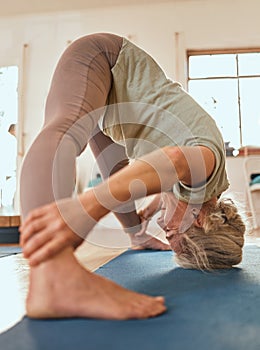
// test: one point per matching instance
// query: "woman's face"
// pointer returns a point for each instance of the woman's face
(176, 218)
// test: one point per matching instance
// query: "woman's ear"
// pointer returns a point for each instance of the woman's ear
(199, 218)
(198, 222)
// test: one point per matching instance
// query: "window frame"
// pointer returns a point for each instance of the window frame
(234, 51)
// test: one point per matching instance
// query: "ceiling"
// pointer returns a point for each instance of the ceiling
(22, 7)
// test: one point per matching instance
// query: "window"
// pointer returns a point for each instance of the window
(8, 143)
(227, 85)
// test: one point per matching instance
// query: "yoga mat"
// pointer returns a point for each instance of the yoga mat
(5, 251)
(206, 311)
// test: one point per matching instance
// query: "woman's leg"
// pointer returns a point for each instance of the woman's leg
(80, 85)
(111, 157)
(78, 93)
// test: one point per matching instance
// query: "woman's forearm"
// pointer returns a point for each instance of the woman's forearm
(150, 174)
(156, 172)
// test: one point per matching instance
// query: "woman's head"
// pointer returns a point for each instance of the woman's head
(216, 242)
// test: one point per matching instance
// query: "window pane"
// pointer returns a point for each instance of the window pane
(219, 99)
(8, 142)
(250, 110)
(203, 66)
(8, 93)
(249, 63)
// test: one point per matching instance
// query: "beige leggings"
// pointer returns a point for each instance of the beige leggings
(80, 87)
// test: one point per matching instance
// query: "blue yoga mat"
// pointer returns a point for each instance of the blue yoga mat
(206, 311)
(9, 250)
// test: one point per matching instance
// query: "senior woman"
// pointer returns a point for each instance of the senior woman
(111, 94)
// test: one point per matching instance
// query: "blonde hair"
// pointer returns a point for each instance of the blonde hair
(218, 244)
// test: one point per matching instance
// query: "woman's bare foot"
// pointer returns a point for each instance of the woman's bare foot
(144, 240)
(147, 241)
(61, 287)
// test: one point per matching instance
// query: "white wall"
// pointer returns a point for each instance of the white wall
(201, 24)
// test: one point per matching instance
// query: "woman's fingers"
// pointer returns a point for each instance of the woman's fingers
(31, 228)
(59, 241)
(39, 220)
(35, 215)
(37, 241)
(44, 233)
(47, 251)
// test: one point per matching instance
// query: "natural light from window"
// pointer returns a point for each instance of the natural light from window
(227, 86)
(8, 142)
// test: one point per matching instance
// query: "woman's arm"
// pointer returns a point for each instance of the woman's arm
(46, 232)
(154, 173)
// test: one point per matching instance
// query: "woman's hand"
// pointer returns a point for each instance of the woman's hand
(152, 208)
(44, 233)
(49, 229)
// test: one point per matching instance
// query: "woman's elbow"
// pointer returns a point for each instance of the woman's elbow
(178, 159)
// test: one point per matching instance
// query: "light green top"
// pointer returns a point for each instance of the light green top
(147, 111)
